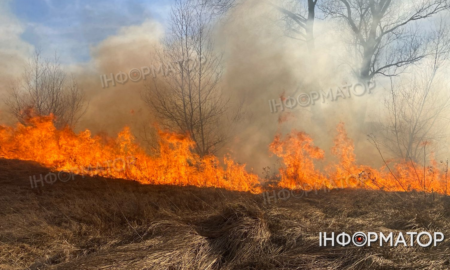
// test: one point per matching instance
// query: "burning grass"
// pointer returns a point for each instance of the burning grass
(98, 223)
(299, 155)
(174, 163)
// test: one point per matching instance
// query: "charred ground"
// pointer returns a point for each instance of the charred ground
(97, 223)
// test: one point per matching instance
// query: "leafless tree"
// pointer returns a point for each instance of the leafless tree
(43, 90)
(189, 98)
(299, 18)
(385, 32)
(220, 6)
(417, 105)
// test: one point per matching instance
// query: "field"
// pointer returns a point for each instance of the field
(97, 223)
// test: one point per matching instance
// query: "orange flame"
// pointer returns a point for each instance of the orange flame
(175, 163)
(298, 155)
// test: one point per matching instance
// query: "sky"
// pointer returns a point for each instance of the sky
(72, 28)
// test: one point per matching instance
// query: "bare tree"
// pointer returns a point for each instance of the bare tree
(417, 105)
(220, 6)
(300, 21)
(189, 98)
(44, 90)
(384, 37)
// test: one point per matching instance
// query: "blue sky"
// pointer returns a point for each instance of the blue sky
(70, 28)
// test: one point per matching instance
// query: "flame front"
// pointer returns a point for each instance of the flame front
(298, 171)
(176, 164)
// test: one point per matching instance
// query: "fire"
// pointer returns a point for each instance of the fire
(175, 163)
(299, 156)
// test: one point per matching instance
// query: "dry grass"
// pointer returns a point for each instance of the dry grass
(95, 223)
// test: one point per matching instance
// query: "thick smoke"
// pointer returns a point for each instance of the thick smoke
(113, 107)
(263, 64)
(13, 54)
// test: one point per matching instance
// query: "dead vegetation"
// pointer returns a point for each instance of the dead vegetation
(96, 223)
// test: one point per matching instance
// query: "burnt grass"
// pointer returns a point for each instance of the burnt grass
(96, 223)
